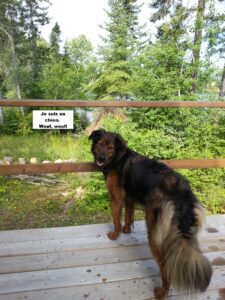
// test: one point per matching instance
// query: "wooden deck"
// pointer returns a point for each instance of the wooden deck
(81, 263)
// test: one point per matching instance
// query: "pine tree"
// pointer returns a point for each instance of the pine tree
(34, 14)
(167, 9)
(161, 8)
(120, 45)
(55, 40)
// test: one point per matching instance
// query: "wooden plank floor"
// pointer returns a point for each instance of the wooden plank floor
(81, 263)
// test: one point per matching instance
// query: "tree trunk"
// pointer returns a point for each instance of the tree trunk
(16, 75)
(197, 41)
(1, 116)
(15, 66)
(222, 84)
(1, 111)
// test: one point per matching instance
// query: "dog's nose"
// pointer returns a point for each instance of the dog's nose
(101, 157)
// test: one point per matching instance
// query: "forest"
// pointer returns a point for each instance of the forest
(178, 55)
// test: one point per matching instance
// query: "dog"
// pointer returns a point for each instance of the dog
(173, 214)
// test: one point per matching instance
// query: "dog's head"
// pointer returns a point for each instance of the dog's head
(107, 147)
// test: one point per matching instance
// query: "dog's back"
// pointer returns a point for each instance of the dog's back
(139, 175)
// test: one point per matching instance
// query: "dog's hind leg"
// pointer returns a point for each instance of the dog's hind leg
(161, 293)
(129, 215)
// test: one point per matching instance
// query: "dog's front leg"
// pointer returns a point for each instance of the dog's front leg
(116, 206)
(116, 196)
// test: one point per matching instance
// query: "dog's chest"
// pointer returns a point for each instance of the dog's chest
(112, 181)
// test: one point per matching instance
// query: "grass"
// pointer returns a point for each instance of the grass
(24, 205)
(77, 198)
(45, 147)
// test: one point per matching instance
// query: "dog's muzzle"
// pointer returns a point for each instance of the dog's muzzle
(100, 160)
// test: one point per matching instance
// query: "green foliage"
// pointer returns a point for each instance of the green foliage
(197, 131)
(20, 23)
(164, 75)
(25, 125)
(67, 77)
(209, 187)
(11, 121)
(79, 51)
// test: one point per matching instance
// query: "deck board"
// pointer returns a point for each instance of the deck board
(81, 263)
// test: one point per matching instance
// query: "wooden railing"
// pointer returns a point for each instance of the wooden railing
(90, 167)
(100, 103)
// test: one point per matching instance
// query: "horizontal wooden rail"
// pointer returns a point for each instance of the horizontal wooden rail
(91, 167)
(47, 168)
(100, 103)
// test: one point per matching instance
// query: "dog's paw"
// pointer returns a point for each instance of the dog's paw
(112, 235)
(126, 229)
(160, 294)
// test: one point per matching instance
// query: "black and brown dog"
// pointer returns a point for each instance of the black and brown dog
(173, 214)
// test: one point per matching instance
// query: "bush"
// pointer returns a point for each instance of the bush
(11, 121)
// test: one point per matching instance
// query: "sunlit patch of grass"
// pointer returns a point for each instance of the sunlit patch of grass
(46, 147)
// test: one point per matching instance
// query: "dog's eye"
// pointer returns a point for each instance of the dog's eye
(100, 144)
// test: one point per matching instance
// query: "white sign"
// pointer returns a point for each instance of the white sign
(52, 119)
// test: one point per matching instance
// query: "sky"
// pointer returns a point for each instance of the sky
(77, 17)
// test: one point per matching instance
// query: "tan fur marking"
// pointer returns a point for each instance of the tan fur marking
(200, 215)
(164, 222)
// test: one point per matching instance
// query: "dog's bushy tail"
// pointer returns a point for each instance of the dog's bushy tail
(183, 264)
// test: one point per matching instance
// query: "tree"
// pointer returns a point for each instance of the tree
(79, 51)
(10, 30)
(33, 14)
(67, 76)
(123, 38)
(55, 40)
(165, 10)
(165, 69)
(198, 39)
(19, 23)
(216, 39)
(162, 9)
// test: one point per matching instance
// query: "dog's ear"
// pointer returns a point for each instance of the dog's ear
(120, 144)
(96, 134)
